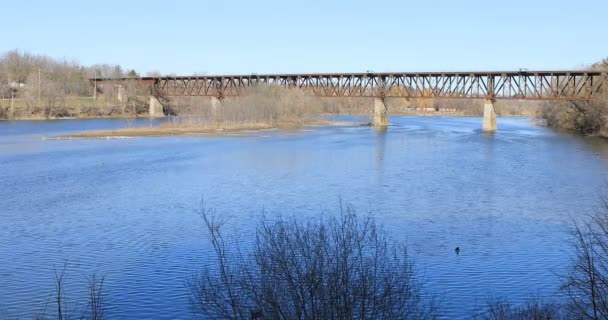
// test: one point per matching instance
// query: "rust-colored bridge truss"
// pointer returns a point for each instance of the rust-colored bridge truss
(525, 85)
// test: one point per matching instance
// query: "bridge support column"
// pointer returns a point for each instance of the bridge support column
(156, 108)
(489, 116)
(215, 103)
(120, 94)
(380, 117)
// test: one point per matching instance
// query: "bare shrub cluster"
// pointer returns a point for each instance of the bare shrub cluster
(533, 310)
(344, 267)
(588, 118)
(585, 117)
(270, 105)
(587, 283)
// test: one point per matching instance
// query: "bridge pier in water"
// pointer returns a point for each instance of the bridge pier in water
(155, 108)
(380, 117)
(215, 103)
(489, 116)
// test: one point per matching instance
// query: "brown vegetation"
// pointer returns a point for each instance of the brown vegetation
(39, 87)
(584, 117)
(261, 107)
(268, 105)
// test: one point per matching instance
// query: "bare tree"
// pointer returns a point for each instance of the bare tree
(17, 66)
(587, 283)
(60, 302)
(96, 305)
(342, 267)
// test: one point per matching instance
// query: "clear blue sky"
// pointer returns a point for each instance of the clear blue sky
(240, 36)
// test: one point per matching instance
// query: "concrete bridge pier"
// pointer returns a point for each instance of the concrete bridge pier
(380, 117)
(215, 103)
(216, 110)
(156, 108)
(489, 116)
(120, 94)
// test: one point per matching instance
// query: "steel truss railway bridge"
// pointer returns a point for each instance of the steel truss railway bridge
(573, 85)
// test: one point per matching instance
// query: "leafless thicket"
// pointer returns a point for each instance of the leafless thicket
(265, 104)
(342, 267)
(533, 310)
(269, 104)
(38, 86)
(587, 283)
(585, 117)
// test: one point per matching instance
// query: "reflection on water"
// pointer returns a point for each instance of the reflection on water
(380, 144)
(127, 208)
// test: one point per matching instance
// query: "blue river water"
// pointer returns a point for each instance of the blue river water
(127, 209)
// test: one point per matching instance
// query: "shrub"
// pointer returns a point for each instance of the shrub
(533, 310)
(342, 267)
(585, 117)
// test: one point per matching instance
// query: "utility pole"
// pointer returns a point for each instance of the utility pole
(12, 103)
(39, 85)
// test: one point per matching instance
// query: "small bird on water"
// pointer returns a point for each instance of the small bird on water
(457, 250)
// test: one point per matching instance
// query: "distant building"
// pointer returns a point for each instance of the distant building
(16, 85)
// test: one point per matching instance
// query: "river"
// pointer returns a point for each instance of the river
(127, 209)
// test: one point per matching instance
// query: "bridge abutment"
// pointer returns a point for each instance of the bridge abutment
(156, 108)
(380, 117)
(489, 116)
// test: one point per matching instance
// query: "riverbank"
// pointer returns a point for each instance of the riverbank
(129, 116)
(71, 108)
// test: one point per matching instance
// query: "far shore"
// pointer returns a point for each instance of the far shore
(392, 113)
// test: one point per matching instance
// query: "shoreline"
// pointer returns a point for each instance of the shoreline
(140, 117)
